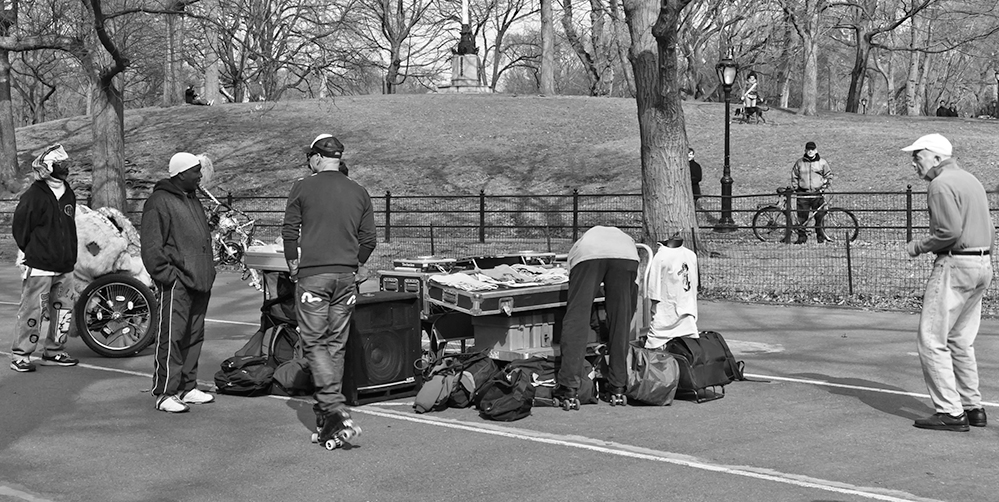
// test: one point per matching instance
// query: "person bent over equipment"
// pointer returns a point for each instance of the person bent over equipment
(602, 255)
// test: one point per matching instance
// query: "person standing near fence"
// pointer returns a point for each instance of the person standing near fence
(961, 236)
(328, 233)
(177, 252)
(44, 228)
(810, 177)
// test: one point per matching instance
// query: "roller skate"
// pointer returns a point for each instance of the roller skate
(320, 420)
(337, 429)
(565, 398)
(617, 397)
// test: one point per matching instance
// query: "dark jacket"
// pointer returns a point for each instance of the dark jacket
(176, 240)
(331, 218)
(45, 228)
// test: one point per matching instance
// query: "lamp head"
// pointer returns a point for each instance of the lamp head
(727, 71)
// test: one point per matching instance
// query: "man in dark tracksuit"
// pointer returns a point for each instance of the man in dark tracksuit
(330, 217)
(177, 253)
(602, 255)
(44, 228)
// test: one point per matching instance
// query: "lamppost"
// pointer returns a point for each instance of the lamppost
(727, 70)
(864, 103)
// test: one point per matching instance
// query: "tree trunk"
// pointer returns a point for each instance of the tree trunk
(108, 149)
(547, 49)
(667, 200)
(810, 77)
(8, 138)
(861, 54)
(173, 91)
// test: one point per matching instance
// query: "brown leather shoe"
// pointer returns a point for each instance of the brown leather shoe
(944, 422)
(976, 417)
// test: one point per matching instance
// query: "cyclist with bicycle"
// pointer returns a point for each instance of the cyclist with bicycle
(810, 177)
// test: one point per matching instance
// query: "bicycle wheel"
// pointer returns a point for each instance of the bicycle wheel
(839, 223)
(116, 315)
(769, 224)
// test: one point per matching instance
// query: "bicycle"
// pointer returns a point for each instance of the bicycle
(232, 235)
(770, 222)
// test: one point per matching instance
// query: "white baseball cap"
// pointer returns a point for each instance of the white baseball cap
(182, 161)
(932, 142)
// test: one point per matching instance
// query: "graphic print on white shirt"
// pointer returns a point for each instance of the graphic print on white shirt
(672, 287)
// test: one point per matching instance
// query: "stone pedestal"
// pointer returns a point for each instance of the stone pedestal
(464, 75)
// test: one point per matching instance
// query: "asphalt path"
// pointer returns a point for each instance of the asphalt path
(827, 416)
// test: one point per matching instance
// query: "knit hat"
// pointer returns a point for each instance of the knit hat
(932, 142)
(42, 164)
(810, 145)
(181, 162)
(327, 146)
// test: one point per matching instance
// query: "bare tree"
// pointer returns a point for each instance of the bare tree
(594, 46)
(667, 200)
(547, 83)
(405, 32)
(806, 18)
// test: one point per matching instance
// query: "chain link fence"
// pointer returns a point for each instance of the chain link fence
(873, 270)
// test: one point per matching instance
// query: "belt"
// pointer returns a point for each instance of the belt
(981, 252)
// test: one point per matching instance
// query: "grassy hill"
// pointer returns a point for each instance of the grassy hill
(460, 144)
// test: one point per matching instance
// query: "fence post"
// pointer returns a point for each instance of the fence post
(908, 213)
(788, 214)
(388, 216)
(482, 216)
(849, 264)
(575, 214)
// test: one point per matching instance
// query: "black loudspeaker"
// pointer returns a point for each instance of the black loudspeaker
(384, 343)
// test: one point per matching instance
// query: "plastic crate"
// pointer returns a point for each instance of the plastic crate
(499, 332)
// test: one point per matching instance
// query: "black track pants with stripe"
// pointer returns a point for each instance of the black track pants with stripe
(178, 339)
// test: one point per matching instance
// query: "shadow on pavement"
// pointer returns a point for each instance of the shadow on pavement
(893, 404)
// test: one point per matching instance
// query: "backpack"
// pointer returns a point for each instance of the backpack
(245, 376)
(294, 377)
(453, 381)
(542, 370)
(705, 365)
(507, 396)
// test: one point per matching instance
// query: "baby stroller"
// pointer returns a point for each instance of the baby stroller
(277, 337)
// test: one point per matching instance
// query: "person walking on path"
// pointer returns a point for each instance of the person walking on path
(961, 236)
(44, 228)
(602, 255)
(810, 177)
(328, 233)
(177, 253)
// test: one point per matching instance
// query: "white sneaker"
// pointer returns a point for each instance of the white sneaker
(195, 396)
(171, 404)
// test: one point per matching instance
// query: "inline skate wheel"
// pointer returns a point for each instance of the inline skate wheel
(315, 437)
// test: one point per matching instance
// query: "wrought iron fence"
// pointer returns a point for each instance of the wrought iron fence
(733, 264)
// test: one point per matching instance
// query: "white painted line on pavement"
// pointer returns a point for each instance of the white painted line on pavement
(823, 383)
(241, 323)
(639, 453)
(630, 451)
(7, 491)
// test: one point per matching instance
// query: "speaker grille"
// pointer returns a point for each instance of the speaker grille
(384, 343)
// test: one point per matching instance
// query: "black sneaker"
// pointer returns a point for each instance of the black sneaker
(944, 422)
(976, 417)
(22, 366)
(60, 359)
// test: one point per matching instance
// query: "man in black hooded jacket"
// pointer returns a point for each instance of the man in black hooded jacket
(177, 253)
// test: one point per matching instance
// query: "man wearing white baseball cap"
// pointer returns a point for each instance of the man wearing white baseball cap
(328, 233)
(961, 236)
(177, 253)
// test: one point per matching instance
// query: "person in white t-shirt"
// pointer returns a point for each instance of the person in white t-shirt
(672, 288)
